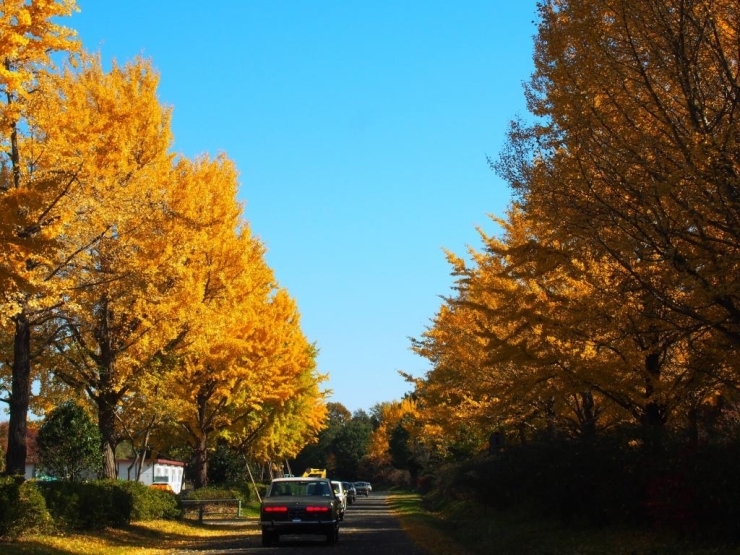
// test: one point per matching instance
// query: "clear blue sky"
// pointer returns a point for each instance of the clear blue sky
(360, 130)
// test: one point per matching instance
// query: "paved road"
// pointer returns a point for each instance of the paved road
(368, 528)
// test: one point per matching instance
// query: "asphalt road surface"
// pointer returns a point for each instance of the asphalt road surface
(368, 528)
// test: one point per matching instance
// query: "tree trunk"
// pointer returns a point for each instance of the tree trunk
(654, 412)
(550, 419)
(107, 423)
(201, 462)
(20, 395)
(589, 415)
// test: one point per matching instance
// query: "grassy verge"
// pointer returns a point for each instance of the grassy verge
(466, 529)
(142, 538)
(426, 529)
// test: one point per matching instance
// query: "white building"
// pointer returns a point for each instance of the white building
(157, 471)
(153, 471)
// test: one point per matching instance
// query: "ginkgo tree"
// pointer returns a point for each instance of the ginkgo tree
(149, 295)
(540, 342)
(589, 337)
(247, 362)
(33, 197)
(634, 155)
(630, 166)
(400, 440)
(128, 287)
(612, 295)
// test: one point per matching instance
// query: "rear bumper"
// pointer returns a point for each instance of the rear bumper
(301, 527)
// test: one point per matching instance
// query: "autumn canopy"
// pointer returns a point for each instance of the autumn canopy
(129, 279)
(611, 297)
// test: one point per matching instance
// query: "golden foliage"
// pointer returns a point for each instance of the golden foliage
(146, 281)
(30, 35)
(613, 295)
(392, 414)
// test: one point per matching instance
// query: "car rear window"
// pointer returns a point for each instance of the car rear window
(299, 488)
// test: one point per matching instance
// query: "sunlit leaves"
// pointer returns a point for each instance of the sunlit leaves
(613, 295)
(31, 33)
(153, 297)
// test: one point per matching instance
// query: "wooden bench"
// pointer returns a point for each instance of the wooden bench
(202, 504)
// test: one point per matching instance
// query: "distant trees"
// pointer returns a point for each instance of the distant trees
(341, 447)
(397, 454)
(350, 445)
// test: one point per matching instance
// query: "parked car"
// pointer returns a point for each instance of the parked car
(300, 506)
(351, 492)
(162, 486)
(363, 488)
(341, 495)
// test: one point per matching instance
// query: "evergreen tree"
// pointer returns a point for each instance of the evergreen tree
(69, 443)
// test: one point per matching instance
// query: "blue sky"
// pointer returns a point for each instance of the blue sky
(360, 130)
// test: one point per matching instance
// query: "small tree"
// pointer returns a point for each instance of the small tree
(69, 443)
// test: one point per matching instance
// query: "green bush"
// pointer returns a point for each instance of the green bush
(225, 466)
(88, 505)
(596, 483)
(22, 508)
(106, 503)
(150, 503)
(62, 501)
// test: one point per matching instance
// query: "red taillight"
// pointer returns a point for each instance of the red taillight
(276, 509)
(316, 509)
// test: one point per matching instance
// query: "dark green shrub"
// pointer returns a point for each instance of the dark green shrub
(63, 503)
(150, 503)
(88, 505)
(22, 508)
(711, 484)
(596, 483)
(103, 503)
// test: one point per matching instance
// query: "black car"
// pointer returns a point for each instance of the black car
(350, 491)
(299, 506)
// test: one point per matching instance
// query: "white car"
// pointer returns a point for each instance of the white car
(340, 494)
(363, 488)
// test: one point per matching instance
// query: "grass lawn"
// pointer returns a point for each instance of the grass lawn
(144, 538)
(140, 538)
